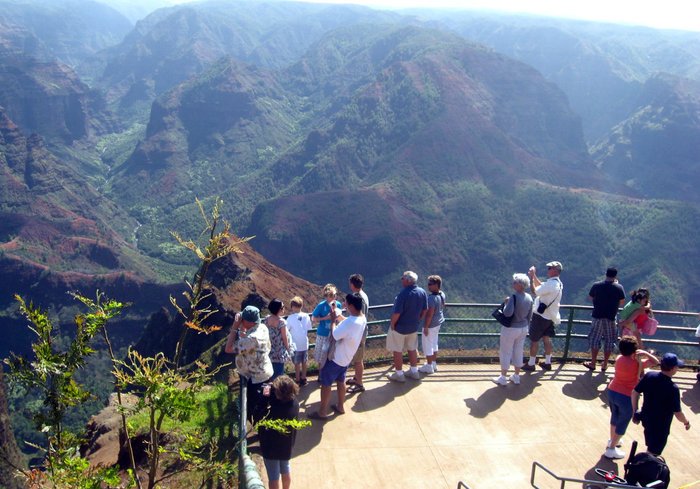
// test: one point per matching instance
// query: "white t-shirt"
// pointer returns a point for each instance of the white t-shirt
(299, 324)
(348, 335)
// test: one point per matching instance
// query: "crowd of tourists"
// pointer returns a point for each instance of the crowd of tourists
(263, 346)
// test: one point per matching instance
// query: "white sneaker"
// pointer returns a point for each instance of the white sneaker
(434, 365)
(619, 443)
(614, 453)
(426, 369)
(412, 375)
(515, 378)
(397, 377)
(500, 380)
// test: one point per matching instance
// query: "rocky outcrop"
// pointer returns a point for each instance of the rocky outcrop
(235, 281)
(106, 443)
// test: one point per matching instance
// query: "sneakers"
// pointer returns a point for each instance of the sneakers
(528, 368)
(544, 366)
(515, 378)
(413, 375)
(619, 443)
(614, 453)
(426, 369)
(397, 377)
(500, 380)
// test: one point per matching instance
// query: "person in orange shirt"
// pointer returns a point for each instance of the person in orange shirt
(629, 367)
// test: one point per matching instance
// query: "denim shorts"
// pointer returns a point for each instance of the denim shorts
(300, 357)
(620, 411)
(275, 468)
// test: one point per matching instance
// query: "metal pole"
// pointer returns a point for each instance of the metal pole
(242, 430)
(568, 335)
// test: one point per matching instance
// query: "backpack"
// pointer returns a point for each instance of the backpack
(645, 468)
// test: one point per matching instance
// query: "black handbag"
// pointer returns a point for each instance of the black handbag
(502, 318)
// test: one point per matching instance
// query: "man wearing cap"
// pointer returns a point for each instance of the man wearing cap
(607, 296)
(545, 313)
(662, 401)
(249, 340)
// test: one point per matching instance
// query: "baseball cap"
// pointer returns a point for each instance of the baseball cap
(554, 264)
(670, 360)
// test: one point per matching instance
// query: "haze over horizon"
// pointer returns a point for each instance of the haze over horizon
(672, 14)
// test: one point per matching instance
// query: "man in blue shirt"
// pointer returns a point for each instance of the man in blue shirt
(409, 308)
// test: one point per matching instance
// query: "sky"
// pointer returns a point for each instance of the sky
(666, 14)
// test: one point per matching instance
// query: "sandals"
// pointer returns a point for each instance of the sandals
(355, 387)
(352, 382)
(589, 365)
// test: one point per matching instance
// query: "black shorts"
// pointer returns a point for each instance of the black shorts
(539, 327)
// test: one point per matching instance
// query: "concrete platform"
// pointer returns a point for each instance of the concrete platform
(457, 425)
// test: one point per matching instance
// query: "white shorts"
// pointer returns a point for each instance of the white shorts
(401, 342)
(430, 342)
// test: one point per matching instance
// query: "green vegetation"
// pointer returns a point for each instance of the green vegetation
(167, 394)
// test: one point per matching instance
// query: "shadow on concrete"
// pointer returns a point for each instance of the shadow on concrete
(691, 397)
(608, 465)
(493, 398)
(385, 393)
(585, 386)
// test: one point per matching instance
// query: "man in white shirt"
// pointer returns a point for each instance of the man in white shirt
(545, 314)
(347, 336)
(355, 384)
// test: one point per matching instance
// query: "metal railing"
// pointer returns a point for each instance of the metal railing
(248, 476)
(587, 484)
(468, 323)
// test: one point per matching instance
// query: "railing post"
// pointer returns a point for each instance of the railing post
(242, 430)
(568, 334)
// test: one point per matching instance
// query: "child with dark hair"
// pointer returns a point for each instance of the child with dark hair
(279, 340)
(277, 445)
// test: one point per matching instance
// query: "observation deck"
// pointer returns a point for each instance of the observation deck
(457, 425)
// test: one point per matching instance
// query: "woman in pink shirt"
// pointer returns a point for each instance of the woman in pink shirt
(629, 367)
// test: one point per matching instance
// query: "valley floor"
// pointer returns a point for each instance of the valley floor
(457, 425)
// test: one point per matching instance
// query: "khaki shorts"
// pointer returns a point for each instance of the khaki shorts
(360, 353)
(401, 342)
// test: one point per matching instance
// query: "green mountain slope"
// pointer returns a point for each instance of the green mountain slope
(656, 149)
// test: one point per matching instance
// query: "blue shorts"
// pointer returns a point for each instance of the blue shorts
(332, 372)
(300, 357)
(620, 411)
(275, 468)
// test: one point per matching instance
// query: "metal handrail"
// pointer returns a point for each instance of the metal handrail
(248, 476)
(564, 480)
(568, 329)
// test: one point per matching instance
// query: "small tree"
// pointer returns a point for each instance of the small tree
(168, 391)
(53, 373)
